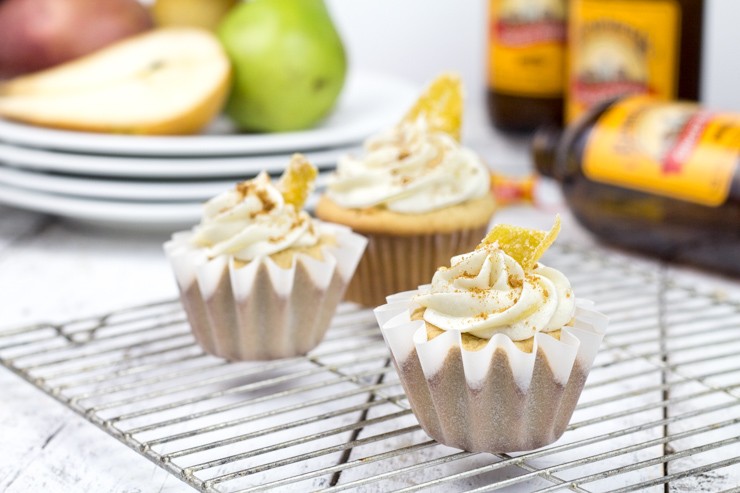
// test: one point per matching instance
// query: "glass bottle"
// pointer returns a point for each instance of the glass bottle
(654, 176)
(526, 63)
(618, 47)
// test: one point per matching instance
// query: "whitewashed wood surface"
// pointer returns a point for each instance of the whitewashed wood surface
(52, 270)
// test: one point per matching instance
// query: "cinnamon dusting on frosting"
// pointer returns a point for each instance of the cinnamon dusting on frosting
(486, 292)
(435, 172)
(514, 281)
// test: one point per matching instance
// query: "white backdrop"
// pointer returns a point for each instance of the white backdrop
(419, 38)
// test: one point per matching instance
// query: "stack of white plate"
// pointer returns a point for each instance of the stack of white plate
(157, 182)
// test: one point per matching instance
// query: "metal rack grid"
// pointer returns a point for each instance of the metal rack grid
(660, 412)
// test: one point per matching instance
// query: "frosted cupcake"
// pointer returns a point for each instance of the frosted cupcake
(258, 277)
(416, 194)
(493, 355)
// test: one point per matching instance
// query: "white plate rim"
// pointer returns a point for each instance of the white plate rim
(133, 167)
(112, 214)
(124, 190)
(397, 94)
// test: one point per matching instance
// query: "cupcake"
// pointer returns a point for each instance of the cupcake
(494, 353)
(416, 194)
(259, 278)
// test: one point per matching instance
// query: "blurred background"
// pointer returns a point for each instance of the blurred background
(153, 121)
(421, 38)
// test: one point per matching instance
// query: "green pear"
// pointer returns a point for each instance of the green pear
(206, 14)
(289, 64)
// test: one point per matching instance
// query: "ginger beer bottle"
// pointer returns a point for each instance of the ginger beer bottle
(526, 63)
(618, 47)
(655, 176)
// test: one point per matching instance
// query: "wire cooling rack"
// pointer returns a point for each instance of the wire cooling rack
(660, 412)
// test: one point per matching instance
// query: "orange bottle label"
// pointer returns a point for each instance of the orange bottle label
(673, 149)
(527, 47)
(621, 47)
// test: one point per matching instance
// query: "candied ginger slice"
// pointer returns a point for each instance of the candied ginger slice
(441, 105)
(297, 181)
(526, 246)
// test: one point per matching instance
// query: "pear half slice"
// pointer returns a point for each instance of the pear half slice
(165, 82)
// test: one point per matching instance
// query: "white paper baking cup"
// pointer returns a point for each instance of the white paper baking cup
(498, 399)
(394, 263)
(261, 311)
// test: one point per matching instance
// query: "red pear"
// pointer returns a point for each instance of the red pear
(37, 34)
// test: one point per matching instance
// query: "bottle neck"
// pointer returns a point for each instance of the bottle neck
(544, 148)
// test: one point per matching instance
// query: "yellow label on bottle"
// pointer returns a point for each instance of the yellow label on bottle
(673, 149)
(527, 47)
(621, 47)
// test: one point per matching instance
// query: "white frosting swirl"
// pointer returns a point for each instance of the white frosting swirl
(409, 169)
(251, 221)
(487, 292)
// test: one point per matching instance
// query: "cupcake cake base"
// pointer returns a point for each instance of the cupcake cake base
(392, 264)
(404, 250)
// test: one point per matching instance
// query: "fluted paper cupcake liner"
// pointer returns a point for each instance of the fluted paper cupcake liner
(261, 311)
(393, 263)
(498, 399)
